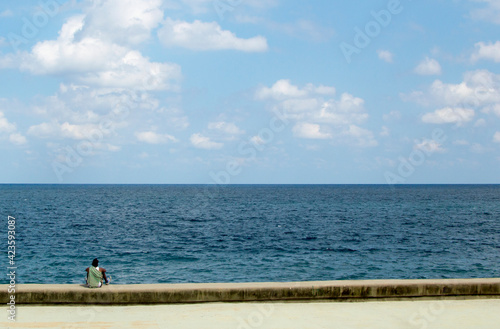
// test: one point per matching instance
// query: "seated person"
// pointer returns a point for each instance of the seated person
(95, 274)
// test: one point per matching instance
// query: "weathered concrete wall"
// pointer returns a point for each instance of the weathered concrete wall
(246, 292)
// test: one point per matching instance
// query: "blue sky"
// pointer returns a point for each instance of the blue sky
(250, 91)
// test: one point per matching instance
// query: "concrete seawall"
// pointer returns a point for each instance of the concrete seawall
(252, 292)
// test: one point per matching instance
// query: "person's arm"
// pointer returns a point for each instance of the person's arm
(103, 271)
(87, 270)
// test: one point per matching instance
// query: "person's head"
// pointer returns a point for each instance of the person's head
(95, 262)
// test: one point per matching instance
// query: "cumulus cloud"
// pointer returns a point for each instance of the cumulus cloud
(206, 36)
(458, 116)
(55, 129)
(480, 123)
(202, 6)
(9, 130)
(496, 137)
(479, 89)
(122, 21)
(385, 55)
(283, 89)
(428, 66)
(385, 131)
(392, 116)
(225, 127)
(495, 109)
(280, 90)
(429, 146)
(95, 62)
(152, 137)
(360, 136)
(490, 12)
(317, 114)
(18, 139)
(310, 131)
(203, 142)
(490, 51)
(257, 140)
(6, 127)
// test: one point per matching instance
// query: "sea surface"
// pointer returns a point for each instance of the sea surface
(242, 233)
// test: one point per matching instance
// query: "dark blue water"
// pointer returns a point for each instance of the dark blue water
(165, 233)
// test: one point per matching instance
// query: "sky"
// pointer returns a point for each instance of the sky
(250, 91)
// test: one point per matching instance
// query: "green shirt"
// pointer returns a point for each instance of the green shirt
(94, 277)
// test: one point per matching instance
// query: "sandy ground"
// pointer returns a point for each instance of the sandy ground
(477, 314)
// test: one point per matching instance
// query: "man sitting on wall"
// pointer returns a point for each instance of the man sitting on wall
(95, 274)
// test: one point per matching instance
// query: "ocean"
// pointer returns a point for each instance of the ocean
(244, 233)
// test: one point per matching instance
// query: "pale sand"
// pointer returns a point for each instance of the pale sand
(477, 314)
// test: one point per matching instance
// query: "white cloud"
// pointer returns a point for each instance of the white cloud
(385, 55)
(202, 6)
(123, 21)
(385, 131)
(480, 123)
(496, 137)
(9, 129)
(93, 61)
(480, 88)
(176, 118)
(257, 140)
(449, 115)
(112, 148)
(478, 148)
(321, 90)
(461, 142)
(43, 130)
(428, 66)
(495, 109)
(152, 137)
(5, 126)
(491, 12)
(203, 142)
(280, 90)
(206, 36)
(283, 89)
(315, 117)
(360, 137)
(489, 51)
(76, 131)
(310, 131)
(393, 115)
(429, 146)
(225, 127)
(55, 129)
(18, 139)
